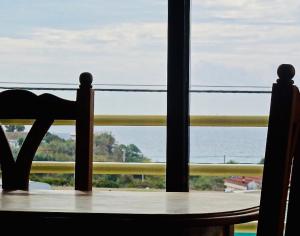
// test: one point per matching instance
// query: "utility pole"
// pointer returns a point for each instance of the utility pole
(123, 155)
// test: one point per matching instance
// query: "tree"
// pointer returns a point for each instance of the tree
(10, 128)
(215, 183)
(231, 162)
(104, 144)
(134, 154)
(51, 137)
(20, 141)
(13, 128)
(106, 148)
(20, 128)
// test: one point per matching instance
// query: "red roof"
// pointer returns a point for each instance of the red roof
(243, 180)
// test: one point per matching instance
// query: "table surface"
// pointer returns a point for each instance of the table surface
(169, 213)
(129, 202)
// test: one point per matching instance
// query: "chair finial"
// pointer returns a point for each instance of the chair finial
(86, 80)
(286, 72)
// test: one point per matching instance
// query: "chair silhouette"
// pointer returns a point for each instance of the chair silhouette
(281, 166)
(44, 109)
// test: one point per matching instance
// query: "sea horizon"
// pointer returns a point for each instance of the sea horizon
(207, 144)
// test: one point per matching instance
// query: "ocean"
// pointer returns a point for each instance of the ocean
(207, 144)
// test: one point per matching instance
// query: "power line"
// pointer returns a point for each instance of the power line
(230, 86)
(232, 91)
(37, 83)
(134, 85)
(37, 88)
(140, 90)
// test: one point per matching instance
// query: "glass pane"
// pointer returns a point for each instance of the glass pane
(236, 48)
(123, 44)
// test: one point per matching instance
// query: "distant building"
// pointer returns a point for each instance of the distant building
(238, 183)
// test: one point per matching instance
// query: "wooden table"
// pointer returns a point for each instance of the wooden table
(140, 213)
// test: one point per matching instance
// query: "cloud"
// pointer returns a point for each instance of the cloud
(108, 38)
(233, 42)
(242, 54)
(115, 52)
(247, 11)
(248, 41)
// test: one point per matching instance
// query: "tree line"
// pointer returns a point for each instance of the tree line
(106, 149)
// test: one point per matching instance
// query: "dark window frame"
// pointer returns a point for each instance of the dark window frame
(177, 173)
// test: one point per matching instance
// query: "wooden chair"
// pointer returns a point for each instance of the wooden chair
(282, 155)
(44, 109)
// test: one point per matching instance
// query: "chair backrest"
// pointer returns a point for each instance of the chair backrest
(44, 109)
(281, 158)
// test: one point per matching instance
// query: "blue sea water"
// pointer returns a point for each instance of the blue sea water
(207, 144)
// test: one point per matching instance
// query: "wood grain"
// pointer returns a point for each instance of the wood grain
(197, 208)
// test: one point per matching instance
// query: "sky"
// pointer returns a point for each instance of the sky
(233, 42)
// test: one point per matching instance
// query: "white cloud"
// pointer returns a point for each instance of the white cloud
(242, 54)
(136, 52)
(123, 36)
(233, 42)
(109, 39)
(248, 11)
(115, 53)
